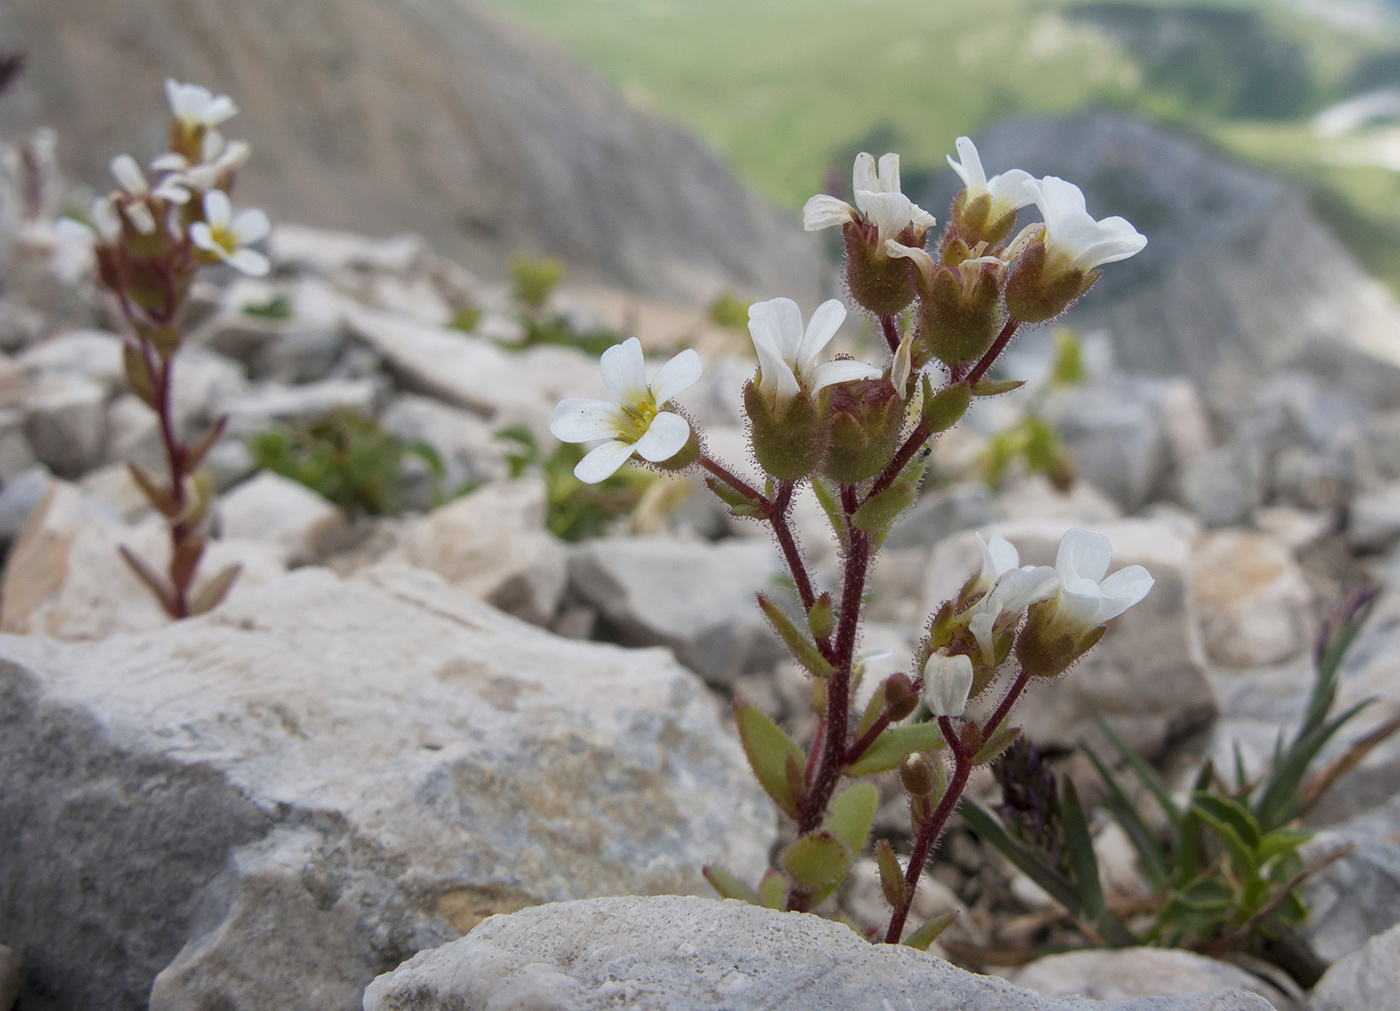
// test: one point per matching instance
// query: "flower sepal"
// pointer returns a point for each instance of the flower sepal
(972, 222)
(1046, 648)
(789, 439)
(865, 418)
(878, 282)
(959, 317)
(1035, 294)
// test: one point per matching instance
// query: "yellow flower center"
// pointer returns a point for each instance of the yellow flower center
(639, 415)
(224, 239)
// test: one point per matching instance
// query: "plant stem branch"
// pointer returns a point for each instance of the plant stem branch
(993, 352)
(891, 332)
(728, 477)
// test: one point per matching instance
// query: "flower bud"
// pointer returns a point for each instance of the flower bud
(917, 775)
(878, 282)
(865, 418)
(972, 221)
(789, 439)
(1035, 293)
(947, 681)
(900, 697)
(959, 319)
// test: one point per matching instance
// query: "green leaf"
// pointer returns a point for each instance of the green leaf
(1227, 831)
(929, 932)
(1145, 772)
(1079, 848)
(1232, 812)
(1279, 842)
(825, 492)
(944, 409)
(999, 742)
(996, 387)
(767, 748)
(728, 886)
(986, 825)
(1202, 906)
(818, 860)
(852, 813)
(879, 511)
(1278, 805)
(821, 619)
(803, 650)
(890, 748)
(1149, 849)
(772, 889)
(1188, 831)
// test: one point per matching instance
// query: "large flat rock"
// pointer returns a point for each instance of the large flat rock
(678, 954)
(268, 805)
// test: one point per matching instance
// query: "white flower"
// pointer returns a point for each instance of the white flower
(226, 236)
(1008, 191)
(1073, 239)
(947, 680)
(216, 157)
(787, 355)
(1009, 588)
(136, 190)
(1086, 599)
(196, 106)
(878, 200)
(635, 423)
(999, 556)
(969, 271)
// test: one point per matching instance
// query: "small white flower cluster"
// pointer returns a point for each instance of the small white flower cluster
(1075, 594)
(190, 195)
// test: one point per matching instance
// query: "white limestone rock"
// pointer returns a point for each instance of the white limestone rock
(670, 952)
(303, 525)
(272, 803)
(694, 597)
(1255, 604)
(1108, 975)
(493, 544)
(1369, 978)
(65, 421)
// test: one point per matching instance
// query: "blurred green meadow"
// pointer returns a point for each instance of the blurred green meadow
(790, 90)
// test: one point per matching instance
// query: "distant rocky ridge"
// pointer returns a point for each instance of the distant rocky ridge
(416, 115)
(1239, 276)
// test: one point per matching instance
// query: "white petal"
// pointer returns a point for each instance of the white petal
(1058, 200)
(903, 363)
(250, 262)
(680, 373)
(825, 211)
(1078, 606)
(840, 371)
(1122, 590)
(217, 209)
(1002, 554)
(1083, 555)
(1020, 588)
(947, 680)
(822, 327)
(217, 110)
(202, 237)
(583, 419)
(250, 226)
(970, 168)
(170, 162)
(129, 175)
(625, 373)
(171, 190)
(776, 377)
(602, 463)
(140, 217)
(781, 319)
(890, 212)
(665, 437)
(981, 625)
(920, 257)
(73, 231)
(889, 174)
(1010, 191)
(921, 219)
(172, 94)
(863, 176)
(1114, 239)
(104, 216)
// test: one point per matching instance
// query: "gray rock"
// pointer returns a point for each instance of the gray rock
(694, 597)
(273, 803)
(268, 404)
(464, 442)
(91, 354)
(1147, 677)
(65, 421)
(1373, 519)
(1352, 900)
(493, 544)
(1255, 603)
(679, 953)
(16, 455)
(1224, 486)
(278, 510)
(299, 356)
(18, 496)
(1369, 978)
(942, 513)
(1141, 972)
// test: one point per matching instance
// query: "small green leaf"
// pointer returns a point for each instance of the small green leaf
(890, 748)
(852, 813)
(1241, 852)
(728, 494)
(1144, 772)
(772, 889)
(988, 826)
(1149, 849)
(944, 409)
(1279, 842)
(879, 511)
(767, 748)
(1231, 812)
(1079, 847)
(821, 619)
(929, 932)
(728, 886)
(996, 387)
(1189, 834)
(835, 515)
(999, 742)
(892, 882)
(818, 860)
(803, 650)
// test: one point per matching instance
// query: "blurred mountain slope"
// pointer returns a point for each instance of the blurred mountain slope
(423, 115)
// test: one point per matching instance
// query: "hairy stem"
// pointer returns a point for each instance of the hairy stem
(734, 481)
(993, 352)
(891, 332)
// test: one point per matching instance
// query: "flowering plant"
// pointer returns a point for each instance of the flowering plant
(149, 240)
(858, 434)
